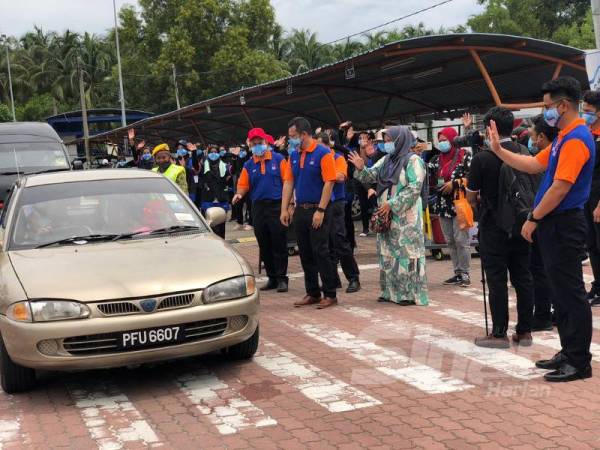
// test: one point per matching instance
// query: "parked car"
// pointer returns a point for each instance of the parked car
(26, 148)
(59, 230)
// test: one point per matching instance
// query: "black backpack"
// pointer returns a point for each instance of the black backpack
(516, 195)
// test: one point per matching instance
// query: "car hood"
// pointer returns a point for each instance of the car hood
(125, 269)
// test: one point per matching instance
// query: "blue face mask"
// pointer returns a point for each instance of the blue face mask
(182, 152)
(222, 153)
(589, 118)
(259, 150)
(147, 156)
(532, 147)
(444, 146)
(294, 143)
(243, 154)
(552, 116)
(213, 156)
(388, 147)
(381, 146)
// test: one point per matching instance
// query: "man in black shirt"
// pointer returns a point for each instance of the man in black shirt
(501, 252)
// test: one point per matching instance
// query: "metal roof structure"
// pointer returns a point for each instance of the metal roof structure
(413, 80)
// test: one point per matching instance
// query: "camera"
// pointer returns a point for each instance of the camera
(474, 139)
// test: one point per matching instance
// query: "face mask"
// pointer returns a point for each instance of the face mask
(164, 165)
(182, 152)
(214, 156)
(380, 146)
(532, 147)
(552, 116)
(259, 150)
(589, 118)
(388, 147)
(243, 154)
(294, 142)
(222, 153)
(444, 146)
(147, 156)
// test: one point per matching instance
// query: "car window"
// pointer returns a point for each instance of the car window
(49, 213)
(4, 212)
(32, 156)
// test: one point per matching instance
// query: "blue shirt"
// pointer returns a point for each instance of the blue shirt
(310, 169)
(263, 177)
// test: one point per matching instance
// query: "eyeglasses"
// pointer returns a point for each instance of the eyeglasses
(555, 102)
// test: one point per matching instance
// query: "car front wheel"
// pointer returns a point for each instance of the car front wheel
(246, 349)
(15, 378)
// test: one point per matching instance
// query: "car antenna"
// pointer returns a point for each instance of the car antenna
(17, 164)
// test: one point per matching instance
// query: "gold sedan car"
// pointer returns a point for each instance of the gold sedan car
(107, 268)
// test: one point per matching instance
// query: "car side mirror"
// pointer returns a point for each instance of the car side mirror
(215, 216)
(77, 164)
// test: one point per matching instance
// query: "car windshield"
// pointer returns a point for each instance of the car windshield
(111, 209)
(32, 157)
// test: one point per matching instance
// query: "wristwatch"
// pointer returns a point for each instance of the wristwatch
(321, 210)
(531, 218)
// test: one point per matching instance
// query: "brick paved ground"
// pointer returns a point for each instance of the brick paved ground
(361, 375)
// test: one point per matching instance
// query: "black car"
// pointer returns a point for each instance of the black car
(26, 148)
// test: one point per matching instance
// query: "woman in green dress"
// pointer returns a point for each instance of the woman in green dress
(399, 177)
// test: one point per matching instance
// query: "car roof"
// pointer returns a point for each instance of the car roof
(27, 131)
(86, 175)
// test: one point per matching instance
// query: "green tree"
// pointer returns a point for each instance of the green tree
(306, 52)
(37, 108)
(5, 114)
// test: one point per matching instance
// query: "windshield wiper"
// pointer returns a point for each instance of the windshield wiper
(12, 172)
(86, 239)
(166, 230)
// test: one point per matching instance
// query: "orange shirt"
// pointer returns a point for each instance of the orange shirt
(244, 180)
(328, 167)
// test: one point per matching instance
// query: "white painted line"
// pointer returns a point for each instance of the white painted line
(473, 294)
(102, 406)
(501, 360)
(389, 362)
(9, 431)
(317, 385)
(222, 405)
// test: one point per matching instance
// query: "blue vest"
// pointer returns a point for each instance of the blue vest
(267, 186)
(308, 181)
(339, 189)
(580, 191)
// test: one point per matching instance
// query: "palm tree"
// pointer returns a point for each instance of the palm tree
(347, 49)
(306, 52)
(376, 40)
(97, 60)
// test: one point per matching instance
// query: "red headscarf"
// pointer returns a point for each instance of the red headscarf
(446, 166)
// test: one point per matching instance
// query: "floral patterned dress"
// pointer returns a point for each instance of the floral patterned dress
(443, 205)
(401, 250)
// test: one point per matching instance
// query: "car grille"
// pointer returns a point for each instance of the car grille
(177, 301)
(114, 309)
(132, 306)
(99, 344)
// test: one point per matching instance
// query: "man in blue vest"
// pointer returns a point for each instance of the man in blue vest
(559, 221)
(263, 176)
(311, 175)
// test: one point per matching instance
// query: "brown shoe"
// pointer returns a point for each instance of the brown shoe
(523, 339)
(307, 300)
(492, 342)
(327, 302)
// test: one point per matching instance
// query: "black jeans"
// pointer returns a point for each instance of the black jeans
(501, 254)
(338, 240)
(562, 242)
(366, 206)
(272, 238)
(315, 256)
(542, 311)
(593, 241)
(349, 222)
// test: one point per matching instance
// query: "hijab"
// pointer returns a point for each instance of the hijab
(392, 166)
(446, 159)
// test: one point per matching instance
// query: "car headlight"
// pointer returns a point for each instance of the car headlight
(230, 289)
(47, 311)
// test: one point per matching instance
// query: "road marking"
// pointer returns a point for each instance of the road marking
(9, 431)
(501, 360)
(317, 385)
(222, 405)
(389, 362)
(102, 406)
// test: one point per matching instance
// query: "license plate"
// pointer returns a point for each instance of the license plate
(151, 337)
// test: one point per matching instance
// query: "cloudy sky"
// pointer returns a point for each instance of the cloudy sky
(332, 19)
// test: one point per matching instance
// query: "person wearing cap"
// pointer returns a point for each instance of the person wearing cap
(262, 177)
(338, 239)
(175, 173)
(311, 175)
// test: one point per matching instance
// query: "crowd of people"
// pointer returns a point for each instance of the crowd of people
(533, 187)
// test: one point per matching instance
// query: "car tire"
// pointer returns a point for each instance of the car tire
(246, 349)
(14, 378)
(356, 213)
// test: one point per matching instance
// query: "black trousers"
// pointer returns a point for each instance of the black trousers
(501, 254)
(237, 211)
(562, 239)
(349, 222)
(366, 206)
(338, 241)
(272, 237)
(542, 310)
(315, 256)
(593, 241)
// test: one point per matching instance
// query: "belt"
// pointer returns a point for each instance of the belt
(308, 205)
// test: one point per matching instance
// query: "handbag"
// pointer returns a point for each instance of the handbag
(379, 223)
(464, 212)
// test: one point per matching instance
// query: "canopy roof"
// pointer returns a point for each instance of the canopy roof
(406, 81)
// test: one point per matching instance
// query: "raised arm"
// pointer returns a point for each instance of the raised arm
(524, 163)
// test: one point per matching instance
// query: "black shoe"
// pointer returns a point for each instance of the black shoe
(456, 279)
(552, 364)
(353, 287)
(465, 280)
(593, 294)
(541, 325)
(271, 284)
(406, 303)
(567, 372)
(595, 302)
(382, 300)
(282, 286)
